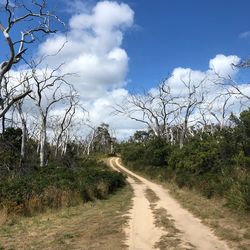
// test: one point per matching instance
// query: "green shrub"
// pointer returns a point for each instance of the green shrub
(50, 186)
(156, 152)
(132, 152)
(239, 195)
(10, 146)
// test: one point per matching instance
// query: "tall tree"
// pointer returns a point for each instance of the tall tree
(49, 88)
(29, 18)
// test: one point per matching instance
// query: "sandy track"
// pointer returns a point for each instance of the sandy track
(142, 231)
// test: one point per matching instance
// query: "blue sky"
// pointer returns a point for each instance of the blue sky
(179, 33)
(182, 33)
(176, 33)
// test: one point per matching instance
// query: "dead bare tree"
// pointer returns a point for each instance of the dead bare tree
(10, 86)
(219, 108)
(233, 88)
(90, 138)
(19, 107)
(31, 19)
(155, 109)
(49, 88)
(63, 122)
(188, 103)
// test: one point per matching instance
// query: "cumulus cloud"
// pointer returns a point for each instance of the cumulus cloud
(94, 48)
(223, 65)
(94, 52)
(219, 65)
(106, 16)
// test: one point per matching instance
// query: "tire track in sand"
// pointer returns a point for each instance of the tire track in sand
(144, 230)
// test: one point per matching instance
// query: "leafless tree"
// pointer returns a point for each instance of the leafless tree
(234, 89)
(189, 102)
(219, 108)
(23, 118)
(155, 109)
(62, 122)
(49, 87)
(31, 19)
(10, 86)
(166, 113)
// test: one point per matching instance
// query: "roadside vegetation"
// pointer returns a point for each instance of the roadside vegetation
(215, 165)
(44, 160)
(67, 180)
(50, 151)
(89, 226)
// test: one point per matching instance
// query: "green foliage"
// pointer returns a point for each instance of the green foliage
(103, 139)
(153, 152)
(156, 152)
(91, 179)
(132, 152)
(10, 146)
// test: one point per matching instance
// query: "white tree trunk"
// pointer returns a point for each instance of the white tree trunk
(43, 143)
(23, 145)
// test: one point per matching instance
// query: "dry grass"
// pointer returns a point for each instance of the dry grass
(3, 215)
(172, 238)
(151, 196)
(97, 225)
(51, 198)
(228, 225)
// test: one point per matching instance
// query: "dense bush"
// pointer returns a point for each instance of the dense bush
(132, 152)
(52, 186)
(153, 152)
(10, 145)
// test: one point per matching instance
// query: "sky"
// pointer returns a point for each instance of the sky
(184, 33)
(181, 33)
(122, 47)
(166, 34)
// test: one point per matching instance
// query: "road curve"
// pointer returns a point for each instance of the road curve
(144, 233)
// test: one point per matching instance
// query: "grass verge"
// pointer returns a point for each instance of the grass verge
(94, 225)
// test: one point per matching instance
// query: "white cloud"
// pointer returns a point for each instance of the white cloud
(93, 50)
(105, 17)
(101, 109)
(245, 34)
(220, 64)
(223, 65)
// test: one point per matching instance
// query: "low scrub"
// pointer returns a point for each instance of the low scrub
(54, 187)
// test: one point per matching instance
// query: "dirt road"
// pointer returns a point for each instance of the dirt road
(157, 221)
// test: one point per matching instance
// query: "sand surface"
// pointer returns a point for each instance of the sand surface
(142, 232)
